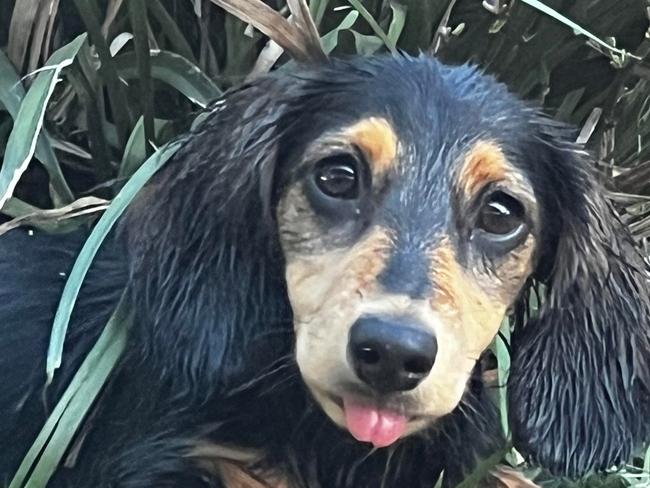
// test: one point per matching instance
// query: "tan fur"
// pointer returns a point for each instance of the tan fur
(331, 284)
(233, 466)
(237, 476)
(483, 164)
(377, 139)
(329, 292)
(465, 312)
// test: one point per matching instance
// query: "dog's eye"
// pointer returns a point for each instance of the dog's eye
(500, 215)
(337, 176)
(500, 225)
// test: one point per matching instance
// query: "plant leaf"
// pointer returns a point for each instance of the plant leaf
(12, 94)
(52, 218)
(397, 23)
(331, 39)
(29, 120)
(90, 248)
(134, 152)
(366, 45)
(373, 25)
(55, 436)
(294, 40)
(545, 9)
(174, 70)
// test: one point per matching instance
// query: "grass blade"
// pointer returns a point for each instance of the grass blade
(138, 15)
(331, 39)
(56, 219)
(317, 9)
(171, 30)
(397, 22)
(119, 101)
(11, 89)
(363, 11)
(134, 152)
(174, 70)
(272, 24)
(366, 45)
(29, 119)
(12, 94)
(503, 361)
(90, 248)
(55, 436)
(545, 9)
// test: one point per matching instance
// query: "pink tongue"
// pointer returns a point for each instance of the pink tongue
(370, 424)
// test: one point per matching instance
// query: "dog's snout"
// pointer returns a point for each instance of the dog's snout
(390, 354)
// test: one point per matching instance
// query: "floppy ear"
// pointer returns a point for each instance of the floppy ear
(580, 378)
(205, 268)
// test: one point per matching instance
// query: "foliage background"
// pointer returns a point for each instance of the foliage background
(79, 115)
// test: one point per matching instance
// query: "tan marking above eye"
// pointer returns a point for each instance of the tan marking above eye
(485, 163)
(377, 139)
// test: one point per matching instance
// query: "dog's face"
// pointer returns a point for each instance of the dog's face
(413, 204)
(404, 249)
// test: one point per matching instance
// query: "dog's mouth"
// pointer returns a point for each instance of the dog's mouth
(371, 420)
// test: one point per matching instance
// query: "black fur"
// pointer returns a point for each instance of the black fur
(210, 353)
(580, 380)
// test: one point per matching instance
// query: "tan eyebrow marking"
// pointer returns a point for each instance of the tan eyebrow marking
(376, 137)
(485, 163)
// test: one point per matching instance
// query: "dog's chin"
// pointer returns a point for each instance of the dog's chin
(368, 420)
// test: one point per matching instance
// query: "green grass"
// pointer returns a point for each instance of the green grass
(74, 136)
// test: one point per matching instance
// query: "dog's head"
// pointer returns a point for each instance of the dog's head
(413, 205)
(409, 229)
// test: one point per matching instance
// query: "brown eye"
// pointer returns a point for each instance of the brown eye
(501, 215)
(337, 177)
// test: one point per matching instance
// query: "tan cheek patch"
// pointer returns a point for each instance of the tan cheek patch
(462, 303)
(485, 163)
(376, 138)
(319, 281)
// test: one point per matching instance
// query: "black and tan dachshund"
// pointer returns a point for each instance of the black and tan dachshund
(316, 276)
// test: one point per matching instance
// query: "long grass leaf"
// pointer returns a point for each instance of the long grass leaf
(373, 25)
(171, 30)
(29, 119)
(174, 70)
(276, 27)
(55, 436)
(90, 248)
(397, 22)
(317, 9)
(545, 9)
(139, 22)
(12, 94)
(331, 39)
(116, 93)
(503, 369)
(20, 29)
(134, 152)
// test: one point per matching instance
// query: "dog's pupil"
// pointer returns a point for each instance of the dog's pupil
(337, 180)
(500, 216)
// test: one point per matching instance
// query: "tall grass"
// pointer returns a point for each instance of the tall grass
(91, 90)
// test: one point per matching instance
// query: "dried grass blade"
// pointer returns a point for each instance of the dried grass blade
(270, 23)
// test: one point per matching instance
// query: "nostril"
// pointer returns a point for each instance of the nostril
(390, 356)
(367, 355)
(418, 366)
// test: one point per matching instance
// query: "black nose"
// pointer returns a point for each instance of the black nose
(390, 355)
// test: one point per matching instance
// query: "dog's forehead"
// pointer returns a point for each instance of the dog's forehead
(428, 119)
(427, 103)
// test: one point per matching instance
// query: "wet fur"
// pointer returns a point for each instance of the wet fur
(210, 354)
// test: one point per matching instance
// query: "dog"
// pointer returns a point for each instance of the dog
(316, 277)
